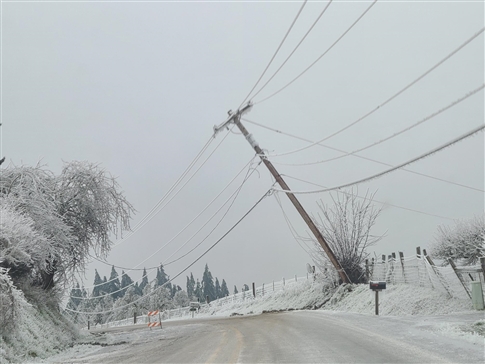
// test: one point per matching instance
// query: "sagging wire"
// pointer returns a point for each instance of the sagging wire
(266, 194)
(422, 156)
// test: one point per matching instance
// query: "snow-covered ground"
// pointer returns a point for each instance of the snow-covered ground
(406, 305)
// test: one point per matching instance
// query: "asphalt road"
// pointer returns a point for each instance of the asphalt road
(290, 337)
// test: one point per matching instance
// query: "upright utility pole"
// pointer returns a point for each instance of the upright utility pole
(236, 119)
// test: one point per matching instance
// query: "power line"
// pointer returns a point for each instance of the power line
(148, 218)
(276, 52)
(362, 157)
(236, 193)
(320, 57)
(390, 98)
(427, 154)
(291, 227)
(174, 185)
(186, 226)
(427, 118)
(380, 202)
(294, 50)
(182, 271)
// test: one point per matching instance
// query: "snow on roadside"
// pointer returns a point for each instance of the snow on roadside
(396, 300)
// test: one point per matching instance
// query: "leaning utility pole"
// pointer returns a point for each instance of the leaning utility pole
(235, 118)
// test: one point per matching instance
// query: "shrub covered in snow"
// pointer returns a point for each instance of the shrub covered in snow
(465, 241)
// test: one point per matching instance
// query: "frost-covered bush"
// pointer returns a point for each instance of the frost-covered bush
(74, 213)
(464, 241)
(181, 299)
(346, 226)
(22, 248)
(10, 301)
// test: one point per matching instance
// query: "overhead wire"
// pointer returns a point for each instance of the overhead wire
(389, 99)
(360, 156)
(268, 193)
(427, 118)
(174, 185)
(320, 57)
(189, 239)
(235, 194)
(162, 206)
(374, 200)
(186, 226)
(427, 154)
(294, 50)
(276, 52)
(292, 229)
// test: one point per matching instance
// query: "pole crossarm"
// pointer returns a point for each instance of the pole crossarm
(235, 118)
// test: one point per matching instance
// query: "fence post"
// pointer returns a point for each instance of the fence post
(296, 279)
(418, 256)
(263, 289)
(367, 270)
(458, 274)
(401, 258)
(482, 263)
(254, 291)
(284, 281)
(134, 318)
(392, 260)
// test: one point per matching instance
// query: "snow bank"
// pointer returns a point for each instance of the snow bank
(396, 300)
(40, 331)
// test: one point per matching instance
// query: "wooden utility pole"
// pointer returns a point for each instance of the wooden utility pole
(236, 119)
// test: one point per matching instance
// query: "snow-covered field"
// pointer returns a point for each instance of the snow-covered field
(405, 304)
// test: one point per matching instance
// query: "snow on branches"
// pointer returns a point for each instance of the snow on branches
(346, 226)
(465, 241)
(62, 217)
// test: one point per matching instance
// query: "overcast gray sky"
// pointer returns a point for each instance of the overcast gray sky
(138, 86)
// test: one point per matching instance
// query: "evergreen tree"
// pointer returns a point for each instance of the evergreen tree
(218, 289)
(114, 284)
(198, 292)
(208, 288)
(163, 278)
(144, 280)
(73, 298)
(98, 282)
(235, 290)
(245, 288)
(224, 290)
(126, 281)
(105, 285)
(190, 286)
(138, 291)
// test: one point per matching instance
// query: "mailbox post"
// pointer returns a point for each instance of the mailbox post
(377, 287)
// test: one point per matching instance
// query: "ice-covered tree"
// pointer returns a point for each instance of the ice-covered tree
(126, 282)
(113, 284)
(218, 288)
(98, 284)
(465, 241)
(181, 299)
(74, 213)
(23, 249)
(346, 226)
(208, 288)
(198, 292)
(144, 280)
(224, 290)
(235, 290)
